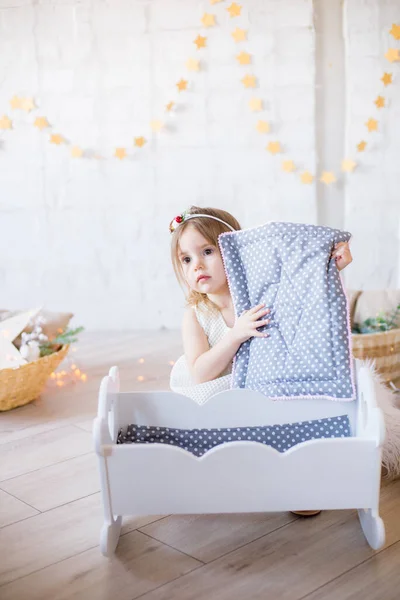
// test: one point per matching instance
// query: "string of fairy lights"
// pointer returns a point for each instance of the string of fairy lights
(256, 103)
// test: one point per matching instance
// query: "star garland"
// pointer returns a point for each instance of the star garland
(255, 103)
(156, 125)
(249, 80)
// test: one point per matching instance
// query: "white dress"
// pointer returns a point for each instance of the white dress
(181, 381)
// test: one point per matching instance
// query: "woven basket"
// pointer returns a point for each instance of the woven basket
(24, 384)
(383, 348)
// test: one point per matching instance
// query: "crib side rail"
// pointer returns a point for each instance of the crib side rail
(104, 426)
(370, 422)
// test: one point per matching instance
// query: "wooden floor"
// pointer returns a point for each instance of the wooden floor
(50, 514)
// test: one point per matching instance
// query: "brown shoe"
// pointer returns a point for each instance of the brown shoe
(305, 513)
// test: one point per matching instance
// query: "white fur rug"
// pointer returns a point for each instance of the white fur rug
(389, 402)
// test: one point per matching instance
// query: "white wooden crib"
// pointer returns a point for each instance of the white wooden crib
(147, 479)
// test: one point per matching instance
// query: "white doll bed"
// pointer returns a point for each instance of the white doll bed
(146, 479)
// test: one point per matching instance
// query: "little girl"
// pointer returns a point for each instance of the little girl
(211, 334)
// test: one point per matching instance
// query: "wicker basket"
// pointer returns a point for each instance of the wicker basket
(383, 348)
(22, 385)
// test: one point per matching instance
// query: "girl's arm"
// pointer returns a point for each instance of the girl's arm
(342, 255)
(207, 363)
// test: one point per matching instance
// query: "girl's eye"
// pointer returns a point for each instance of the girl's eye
(208, 251)
(186, 260)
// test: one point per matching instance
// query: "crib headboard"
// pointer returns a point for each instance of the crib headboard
(232, 408)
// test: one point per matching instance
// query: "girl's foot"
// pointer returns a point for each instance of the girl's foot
(305, 513)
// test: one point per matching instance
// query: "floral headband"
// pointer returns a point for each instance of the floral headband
(186, 216)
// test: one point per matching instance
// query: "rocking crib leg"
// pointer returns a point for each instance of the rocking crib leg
(109, 536)
(373, 527)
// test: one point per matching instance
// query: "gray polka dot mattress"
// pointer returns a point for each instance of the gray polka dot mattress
(199, 441)
(288, 267)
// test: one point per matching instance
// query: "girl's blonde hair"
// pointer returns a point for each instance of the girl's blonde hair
(210, 230)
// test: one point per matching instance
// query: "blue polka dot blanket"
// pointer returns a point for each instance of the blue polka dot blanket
(199, 441)
(288, 267)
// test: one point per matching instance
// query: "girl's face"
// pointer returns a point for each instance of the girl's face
(201, 263)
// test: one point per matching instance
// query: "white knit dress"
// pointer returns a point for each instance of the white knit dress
(181, 381)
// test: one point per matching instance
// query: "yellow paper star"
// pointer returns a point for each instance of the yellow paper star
(306, 177)
(239, 35)
(27, 104)
(249, 81)
(274, 147)
(215, 1)
(5, 123)
(387, 79)
(16, 102)
(361, 146)
(200, 42)
(263, 126)
(120, 153)
(288, 166)
(380, 102)
(395, 31)
(243, 58)
(41, 123)
(140, 141)
(193, 65)
(392, 55)
(56, 139)
(372, 125)
(169, 106)
(327, 177)
(348, 165)
(208, 20)
(76, 152)
(156, 125)
(182, 85)
(234, 9)
(255, 104)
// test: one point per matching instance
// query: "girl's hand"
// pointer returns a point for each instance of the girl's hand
(246, 325)
(342, 255)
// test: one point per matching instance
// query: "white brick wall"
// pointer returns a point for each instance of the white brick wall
(372, 195)
(92, 236)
